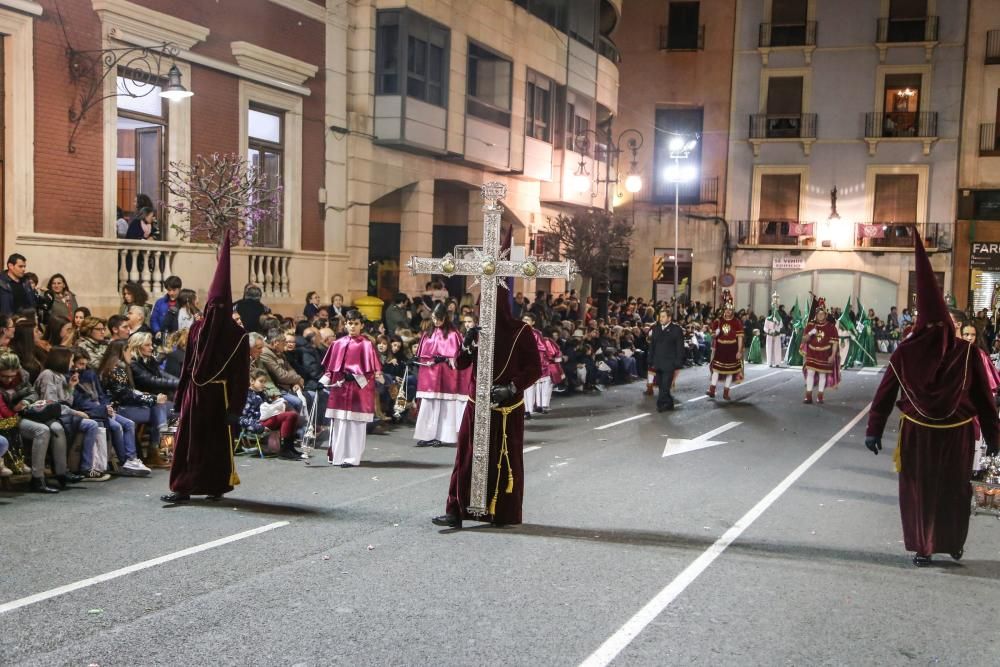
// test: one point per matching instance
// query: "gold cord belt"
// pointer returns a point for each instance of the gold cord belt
(897, 457)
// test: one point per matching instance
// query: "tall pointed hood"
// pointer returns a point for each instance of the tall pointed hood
(505, 297)
(220, 293)
(932, 362)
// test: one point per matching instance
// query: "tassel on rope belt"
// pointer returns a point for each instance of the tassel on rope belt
(897, 457)
(504, 455)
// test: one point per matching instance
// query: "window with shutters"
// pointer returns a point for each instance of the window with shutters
(895, 198)
(538, 107)
(683, 27)
(779, 203)
(141, 127)
(411, 55)
(784, 107)
(788, 22)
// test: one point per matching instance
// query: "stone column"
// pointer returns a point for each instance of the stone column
(416, 233)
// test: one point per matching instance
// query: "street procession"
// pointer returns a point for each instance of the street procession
(554, 332)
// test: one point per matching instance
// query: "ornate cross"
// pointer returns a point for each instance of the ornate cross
(490, 268)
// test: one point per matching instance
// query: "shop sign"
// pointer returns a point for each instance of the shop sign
(788, 263)
(985, 256)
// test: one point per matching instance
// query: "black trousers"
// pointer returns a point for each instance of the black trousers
(665, 378)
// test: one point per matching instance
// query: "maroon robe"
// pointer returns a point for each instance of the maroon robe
(936, 441)
(726, 356)
(211, 394)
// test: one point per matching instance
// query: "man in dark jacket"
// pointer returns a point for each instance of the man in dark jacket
(15, 292)
(666, 356)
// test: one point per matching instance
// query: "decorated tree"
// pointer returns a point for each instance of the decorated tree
(593, 239)
(220, 194)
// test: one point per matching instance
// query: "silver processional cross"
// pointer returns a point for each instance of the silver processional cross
(490, 268)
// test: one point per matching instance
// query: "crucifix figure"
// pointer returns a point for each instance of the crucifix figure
(490, 268)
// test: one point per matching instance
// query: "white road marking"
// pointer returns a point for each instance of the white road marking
(682, 445)
(531, 449)
(146, 564)
(621, 421)
(742, 384)
(614, 645)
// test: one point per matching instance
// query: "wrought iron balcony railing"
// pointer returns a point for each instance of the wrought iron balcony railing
(771, 35)
(776, 232)
(783, 126)
(874, 235)
(901, 124)
(906, 30)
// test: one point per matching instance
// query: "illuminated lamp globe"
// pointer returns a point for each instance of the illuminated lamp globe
(633, 183)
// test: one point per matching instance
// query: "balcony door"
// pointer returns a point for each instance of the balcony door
(784, 107)
(788, 22)
(895, 202)
(901, 106)
(682, 26)
(779, 208)
(907, 21)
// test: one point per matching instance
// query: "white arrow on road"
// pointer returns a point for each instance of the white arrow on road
(683, 445)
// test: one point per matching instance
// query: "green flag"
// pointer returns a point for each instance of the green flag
(844, 321)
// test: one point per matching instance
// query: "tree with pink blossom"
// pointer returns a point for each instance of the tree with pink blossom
(219, 194)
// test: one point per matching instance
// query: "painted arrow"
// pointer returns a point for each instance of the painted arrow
(683, 445)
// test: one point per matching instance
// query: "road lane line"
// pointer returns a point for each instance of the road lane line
(742, 384)
(614, 645)
(621, 421)
(146, 564)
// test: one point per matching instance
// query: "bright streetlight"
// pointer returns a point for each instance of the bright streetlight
(680, 148)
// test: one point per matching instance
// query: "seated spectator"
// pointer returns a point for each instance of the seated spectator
(251, 309)
(281, 374)
(146, 373)
(60, 332)
(139, 406)
(134, 295)
(18, 394)
(163, 319)
(90, 397)
(173, 363)
(57, 383)
(29, 346)
(283, 422)
(92, 338)
(135, 320)
(118, 328)
(6, 330)
(187, 309)
(61, 297)
(79, 315)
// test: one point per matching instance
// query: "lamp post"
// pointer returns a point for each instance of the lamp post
(680, 147)
(630, 140)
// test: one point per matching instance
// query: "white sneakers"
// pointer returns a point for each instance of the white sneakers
(5, 471)
(135, 465)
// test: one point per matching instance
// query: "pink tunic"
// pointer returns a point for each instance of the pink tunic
(349, 400)
(441, 379)
(551, 364)
(543, 356)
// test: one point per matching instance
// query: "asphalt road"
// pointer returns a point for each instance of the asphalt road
(348, 570)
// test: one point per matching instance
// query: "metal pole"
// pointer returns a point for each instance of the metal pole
(677, 203)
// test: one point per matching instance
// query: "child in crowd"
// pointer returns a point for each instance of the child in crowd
(284, 422)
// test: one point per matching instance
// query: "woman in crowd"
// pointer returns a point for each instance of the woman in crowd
(141, 226)
(177, 344)
(337, 307)
(187, 309)
(139, 406)
(79, 315)
(26, 345)
(62, 298)
(312, 306)
(145, 368)
(60, 332)
(6, 330)
(92, 338)
(18, 394)
(134, 295)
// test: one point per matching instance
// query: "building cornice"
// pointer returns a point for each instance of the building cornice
(157, 27)
(271, 63)
(305, 7)
(26, 6)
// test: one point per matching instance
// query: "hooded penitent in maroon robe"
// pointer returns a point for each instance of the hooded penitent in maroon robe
(942, 387)
(515, 359)
(212, 392)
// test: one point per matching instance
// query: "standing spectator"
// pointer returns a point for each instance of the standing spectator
(892, 321)
(62, 298)
(251, 309)
(15, 293)
(187, 309)
(336, 309)
(163, 319)
(396, 315)
(121, 224)
(142, 226)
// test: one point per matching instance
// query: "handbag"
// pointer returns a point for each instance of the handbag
(100, 458)
(268, 410)
(42, 411)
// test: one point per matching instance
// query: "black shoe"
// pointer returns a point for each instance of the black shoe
(175, 498)
(665, 408)
(289, 455)
(214, 498)
(39, 485)
(346, 465)
(424, 443)
(436, 443)
(545, 411)
(67, 479)
(527, 416)
(448, 521)
(921, 561)
(957, 555)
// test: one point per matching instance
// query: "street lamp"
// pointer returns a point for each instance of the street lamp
(680, 147)
(613, 151)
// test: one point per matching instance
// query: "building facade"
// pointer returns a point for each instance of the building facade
(977, 253)
(379, 119)
(844, 139)
(677, 60)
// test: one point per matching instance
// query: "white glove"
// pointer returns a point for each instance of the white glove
(325, 380)
(812, 332)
